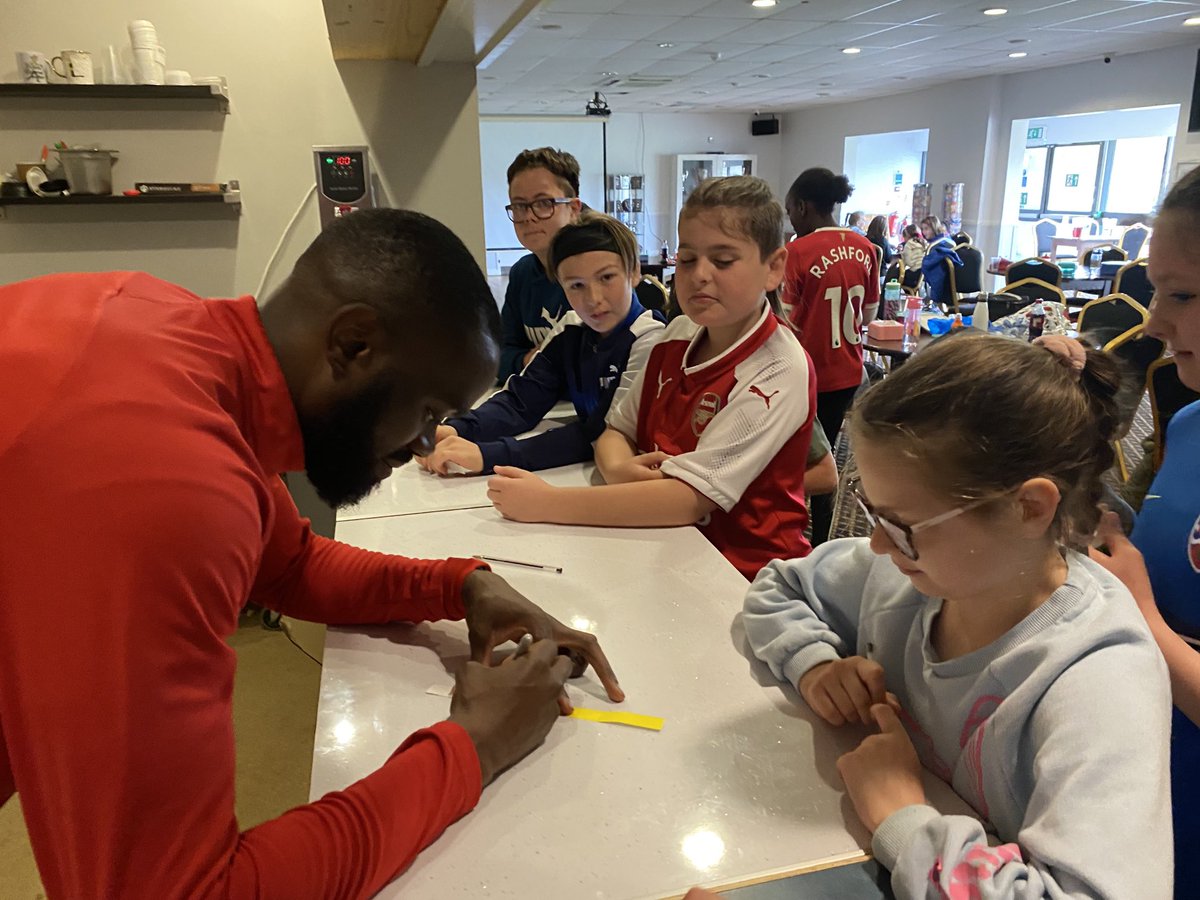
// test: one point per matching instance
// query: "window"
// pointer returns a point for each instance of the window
(1074, 174)
(1033, 179)
(1135, 175)
(1123, 177)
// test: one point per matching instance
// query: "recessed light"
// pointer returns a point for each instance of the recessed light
(763, 4)
(665, 45)
(1194, 20)
(995, 11)
(1018, 40)
(760, 75)
(1020, 54)
(608, 74)
(852, 50)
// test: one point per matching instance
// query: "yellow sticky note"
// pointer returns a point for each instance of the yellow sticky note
(651, 723)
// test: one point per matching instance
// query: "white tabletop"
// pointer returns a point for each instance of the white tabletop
(410, 489)
(741, 781)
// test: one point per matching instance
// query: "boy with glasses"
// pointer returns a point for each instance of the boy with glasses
(543, 194)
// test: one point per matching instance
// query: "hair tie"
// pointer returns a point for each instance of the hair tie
(1069, 353)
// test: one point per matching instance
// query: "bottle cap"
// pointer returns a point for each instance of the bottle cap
(913, 303)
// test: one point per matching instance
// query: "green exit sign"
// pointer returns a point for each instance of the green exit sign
(1035, 134)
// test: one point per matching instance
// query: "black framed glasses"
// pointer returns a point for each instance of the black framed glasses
(540, 209)
(898, 533)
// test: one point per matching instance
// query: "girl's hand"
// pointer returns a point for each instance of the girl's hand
(884, 773)
(519, 495)
(1123, 560)
(459, 451)
(844, 690)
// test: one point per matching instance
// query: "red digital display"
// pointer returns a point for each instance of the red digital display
(343, 160)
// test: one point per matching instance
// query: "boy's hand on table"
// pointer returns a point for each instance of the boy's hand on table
(497, 612)
(463, 453)
(884, 774)
(519, 495)
(441, 433)
(844, 690)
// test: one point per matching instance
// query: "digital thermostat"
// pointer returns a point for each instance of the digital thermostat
(343, 181)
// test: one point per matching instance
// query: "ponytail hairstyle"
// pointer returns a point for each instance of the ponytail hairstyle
(821, 189)
(749, 211)
(978, 436)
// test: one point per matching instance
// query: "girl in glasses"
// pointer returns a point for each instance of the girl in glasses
(969, 639)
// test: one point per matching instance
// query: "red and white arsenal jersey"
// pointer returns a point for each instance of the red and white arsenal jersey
(832, 278)
(738, 428)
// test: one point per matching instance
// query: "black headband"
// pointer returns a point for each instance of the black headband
(584, 237)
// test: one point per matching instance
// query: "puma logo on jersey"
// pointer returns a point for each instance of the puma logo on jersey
(766, 398)
(662, 383)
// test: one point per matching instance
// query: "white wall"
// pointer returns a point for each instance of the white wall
(970, 122)
(287, 94)
(1153, 121)
(871, 162)
(637, 143)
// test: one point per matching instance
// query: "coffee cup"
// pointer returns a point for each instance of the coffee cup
(32, 66)
(76, 67)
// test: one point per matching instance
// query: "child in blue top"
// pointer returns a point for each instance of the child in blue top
(973, 642)
(1168, 527)
(594, 352)
(543, 194)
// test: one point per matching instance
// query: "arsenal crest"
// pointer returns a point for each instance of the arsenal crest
(706, 407)
(1193, 545)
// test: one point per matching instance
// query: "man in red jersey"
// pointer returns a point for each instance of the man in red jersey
(831, 289)
(143, 437)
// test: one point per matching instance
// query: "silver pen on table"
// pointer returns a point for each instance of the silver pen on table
(517, 562)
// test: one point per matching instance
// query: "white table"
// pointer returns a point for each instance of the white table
(740, 784)
(410, 490)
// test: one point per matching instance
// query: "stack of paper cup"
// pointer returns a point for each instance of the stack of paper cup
(149, 58)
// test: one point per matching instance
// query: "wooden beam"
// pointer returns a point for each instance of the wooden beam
(381, 29)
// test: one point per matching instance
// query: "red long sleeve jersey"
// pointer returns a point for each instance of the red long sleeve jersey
(832, 277)
(141, 436)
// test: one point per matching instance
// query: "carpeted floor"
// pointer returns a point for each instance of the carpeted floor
(274, 715)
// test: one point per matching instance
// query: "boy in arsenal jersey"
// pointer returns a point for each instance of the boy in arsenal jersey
(715, 430)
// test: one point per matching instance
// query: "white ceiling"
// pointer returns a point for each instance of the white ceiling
(728, 55)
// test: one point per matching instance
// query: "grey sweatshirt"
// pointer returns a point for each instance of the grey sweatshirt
(1056, 733)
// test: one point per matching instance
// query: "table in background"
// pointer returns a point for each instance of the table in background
(1078, 244)
(660, 270)
(740, 786)
(895, 353)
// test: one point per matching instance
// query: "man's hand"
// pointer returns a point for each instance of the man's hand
(455, 450)
(1124, 561)
(844, 690)
(519, 495)
(884, 773)
(642, 467)
(508, 710)
(496, 612)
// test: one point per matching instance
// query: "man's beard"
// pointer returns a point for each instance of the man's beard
(339, 447)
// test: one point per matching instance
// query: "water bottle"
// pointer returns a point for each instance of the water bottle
(912, 320)
(979, 318)
(665, 255)
(891, 300)
(1037, 320)
(1094, 257)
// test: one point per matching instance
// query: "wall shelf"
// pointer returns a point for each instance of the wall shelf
(231, 197)
(213, 95)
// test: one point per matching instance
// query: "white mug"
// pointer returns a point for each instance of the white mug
(32, 66)
(77, 67)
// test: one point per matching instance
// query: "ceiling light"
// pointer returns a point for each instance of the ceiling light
(550, 27)
(665, 45)
(822, 93)
(608, 74)
(763, 4)
(760, 75)
(995, 11)
(1194, 20)
(852, 50)
(1020, 54)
